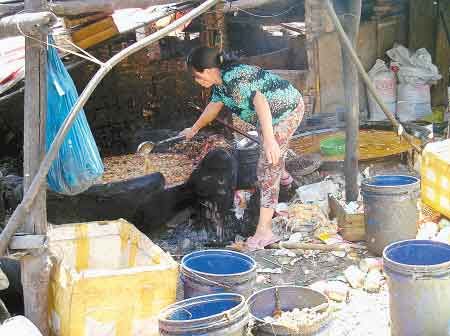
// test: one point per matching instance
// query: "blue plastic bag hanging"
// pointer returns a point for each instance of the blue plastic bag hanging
(78, 164)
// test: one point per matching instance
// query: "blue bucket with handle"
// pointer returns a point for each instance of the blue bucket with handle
(217, 271)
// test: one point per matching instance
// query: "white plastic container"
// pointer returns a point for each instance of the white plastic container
(385, 84)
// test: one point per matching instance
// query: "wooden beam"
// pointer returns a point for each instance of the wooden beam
(80, 7)
(350, 20)
(35, 111)
(35, 267)
(254, 4)
(439, 92)
(10, 8)
(35, 276)
(29, 23)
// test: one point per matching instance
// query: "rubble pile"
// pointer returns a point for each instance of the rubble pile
(438, 230)
(297, 319)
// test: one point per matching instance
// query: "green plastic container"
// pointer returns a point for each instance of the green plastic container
(333, 146)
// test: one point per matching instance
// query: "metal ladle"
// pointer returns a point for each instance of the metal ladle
(147, 147)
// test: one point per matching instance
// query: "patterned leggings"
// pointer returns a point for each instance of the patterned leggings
(269, 175)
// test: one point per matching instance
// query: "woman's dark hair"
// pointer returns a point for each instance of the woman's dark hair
(202, 58)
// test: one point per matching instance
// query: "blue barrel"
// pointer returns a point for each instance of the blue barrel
(418, 275)
(210, 315)
(390, 209)
(217, 271)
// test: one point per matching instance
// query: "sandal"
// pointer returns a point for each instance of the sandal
(252, 244)
(266, 242)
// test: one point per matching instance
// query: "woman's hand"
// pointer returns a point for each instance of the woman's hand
(189, 133)
(272, 150)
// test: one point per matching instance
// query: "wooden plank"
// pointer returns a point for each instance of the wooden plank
(35, 111)
(80, 7)
(35, 281)
(97, 38)
(422, 25)
(35, 268)
(79, 21)
(93, 29)
(351, 226)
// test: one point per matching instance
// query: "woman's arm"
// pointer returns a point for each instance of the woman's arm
(210, 113)
(270, 144)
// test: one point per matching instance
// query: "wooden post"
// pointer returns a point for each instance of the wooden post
(439, 92)
(350, 20)
(35, 266)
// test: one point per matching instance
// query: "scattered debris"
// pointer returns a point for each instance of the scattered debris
(427, 231)
(354, 276)
(282, 209)
(261, 279)
(334, 290)
(317, 193)
(355, 207)
(368, 264)
(294, 261)
(372, 282)
(284, 253)
(305, 218)
(269, 270)
(241, 199)
(433, 231)
(297, 319)
(444, 223)
(444, 235)
(296, 237)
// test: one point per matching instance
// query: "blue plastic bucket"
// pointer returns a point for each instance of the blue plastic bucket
(217, 271)
(213, 315)
(418, 274)
(390, 209)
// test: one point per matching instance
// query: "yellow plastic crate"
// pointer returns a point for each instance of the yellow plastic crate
(435, 176)
(108, 279)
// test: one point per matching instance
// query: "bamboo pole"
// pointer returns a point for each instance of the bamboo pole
(350, 21)
(348, 45)
(17, 217)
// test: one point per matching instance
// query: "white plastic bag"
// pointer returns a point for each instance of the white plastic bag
(317, 193)
(385, 84)
(414, 68)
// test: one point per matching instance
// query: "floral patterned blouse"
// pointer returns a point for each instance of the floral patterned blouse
(240, 84)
